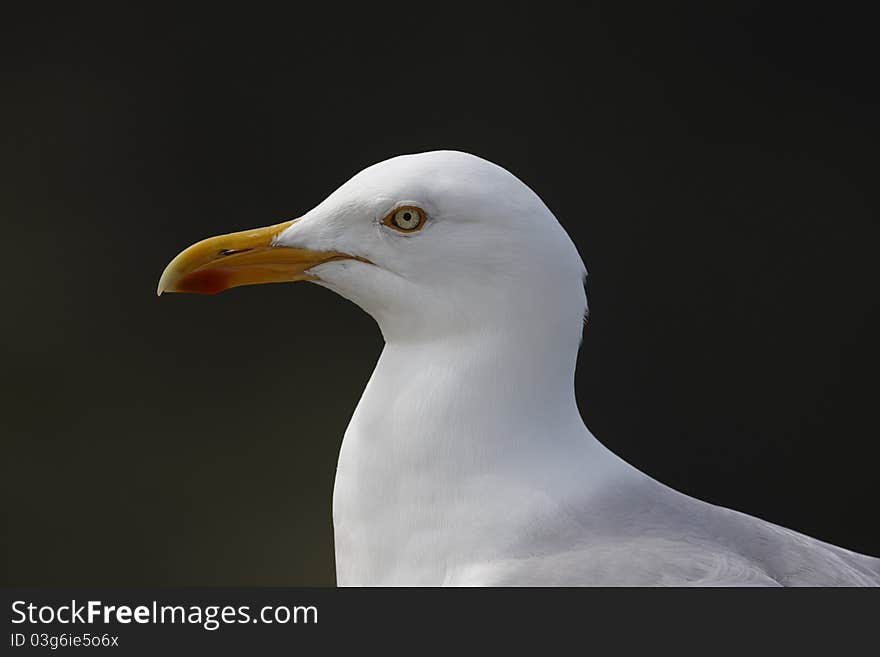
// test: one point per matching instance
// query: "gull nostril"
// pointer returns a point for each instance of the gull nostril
(226, 252)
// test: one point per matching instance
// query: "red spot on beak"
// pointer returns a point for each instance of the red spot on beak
(204, 281)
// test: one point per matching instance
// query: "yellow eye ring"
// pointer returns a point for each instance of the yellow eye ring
(405, 219)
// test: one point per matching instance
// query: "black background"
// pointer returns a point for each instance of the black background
(716, 168)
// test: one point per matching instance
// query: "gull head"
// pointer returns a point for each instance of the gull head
(433, 244)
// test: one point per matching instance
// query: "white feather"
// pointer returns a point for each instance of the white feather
(466, 461)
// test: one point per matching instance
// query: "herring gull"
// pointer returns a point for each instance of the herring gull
(466, 461)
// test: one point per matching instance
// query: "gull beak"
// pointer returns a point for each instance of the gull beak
(246, 258)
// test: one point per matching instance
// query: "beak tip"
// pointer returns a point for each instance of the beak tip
(165, 283)
(162, 286)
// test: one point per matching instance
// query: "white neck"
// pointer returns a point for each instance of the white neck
(478, 417)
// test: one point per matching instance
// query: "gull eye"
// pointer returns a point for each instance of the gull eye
(407, 219)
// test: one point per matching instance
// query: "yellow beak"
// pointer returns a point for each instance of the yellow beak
(245, 258)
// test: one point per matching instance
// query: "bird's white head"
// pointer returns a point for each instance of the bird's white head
(432, 244)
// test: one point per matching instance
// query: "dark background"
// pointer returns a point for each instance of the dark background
(716, 169)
